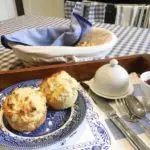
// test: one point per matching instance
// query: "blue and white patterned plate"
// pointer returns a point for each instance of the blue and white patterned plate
(57, 126)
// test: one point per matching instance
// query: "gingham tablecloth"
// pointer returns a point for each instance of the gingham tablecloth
(132, 40)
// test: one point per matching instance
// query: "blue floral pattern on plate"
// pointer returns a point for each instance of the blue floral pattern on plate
(101, 139)
(49, 126)
(57, 126)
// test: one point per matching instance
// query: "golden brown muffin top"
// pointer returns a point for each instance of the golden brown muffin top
(24, 104)
(59, 89)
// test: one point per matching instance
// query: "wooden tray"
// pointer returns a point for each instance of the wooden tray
(81, 71)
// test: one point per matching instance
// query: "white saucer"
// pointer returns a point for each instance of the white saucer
(129, 91)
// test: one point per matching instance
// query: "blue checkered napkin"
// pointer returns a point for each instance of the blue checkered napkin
(47, 36)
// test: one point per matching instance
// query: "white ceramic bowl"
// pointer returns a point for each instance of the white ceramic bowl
(32, 55)
(111, 81)
(144, 86)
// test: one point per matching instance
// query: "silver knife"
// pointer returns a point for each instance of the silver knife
(136, 142)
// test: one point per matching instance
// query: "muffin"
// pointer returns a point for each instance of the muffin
(25, 109)
(61, 90)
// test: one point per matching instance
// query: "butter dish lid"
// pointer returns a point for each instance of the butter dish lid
(111, 81)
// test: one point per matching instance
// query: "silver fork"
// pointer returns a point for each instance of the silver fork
(124, 110)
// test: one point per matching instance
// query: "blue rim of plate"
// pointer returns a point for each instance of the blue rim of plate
(9, 139)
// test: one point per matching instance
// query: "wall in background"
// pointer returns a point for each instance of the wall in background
(54, 8)
(7, 9)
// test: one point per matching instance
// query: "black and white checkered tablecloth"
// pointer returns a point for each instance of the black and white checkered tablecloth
(131, 40)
